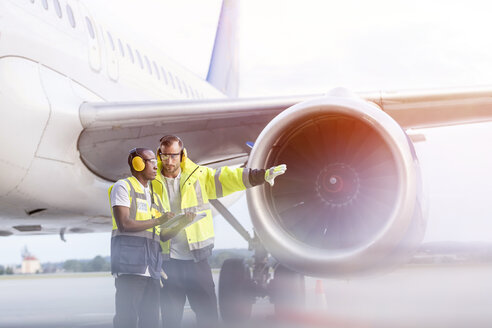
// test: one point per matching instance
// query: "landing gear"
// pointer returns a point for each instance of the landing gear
(236, 296)
(238, 290)
(239, 285)
(241, 282)
(287, 290)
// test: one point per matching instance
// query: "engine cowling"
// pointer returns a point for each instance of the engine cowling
(350, 201)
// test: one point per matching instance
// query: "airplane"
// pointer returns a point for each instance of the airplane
(77, 95)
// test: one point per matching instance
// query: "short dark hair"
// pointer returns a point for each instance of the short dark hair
(169, 139)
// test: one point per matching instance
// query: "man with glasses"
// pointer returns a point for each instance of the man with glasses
(135, 249)
(186, 186)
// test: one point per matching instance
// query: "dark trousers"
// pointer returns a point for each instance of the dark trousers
(137, 301)
(193, 280)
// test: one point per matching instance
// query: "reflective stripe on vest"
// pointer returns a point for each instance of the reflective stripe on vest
(218, 185)
(201, 233)
(137, 211)
(198, 184)
(145, 234)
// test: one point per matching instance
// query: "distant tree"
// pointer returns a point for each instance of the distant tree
(50, 267)
(217, 259)
(73, 265)
(97, 264)
(9, 270)
(2, 270)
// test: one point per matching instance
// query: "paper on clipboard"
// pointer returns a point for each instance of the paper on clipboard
(172, 221)
(199, 216)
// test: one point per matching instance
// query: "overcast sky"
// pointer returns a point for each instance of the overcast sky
(294, 47)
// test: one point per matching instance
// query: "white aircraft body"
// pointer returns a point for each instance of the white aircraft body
(55, 56)
(76, 96)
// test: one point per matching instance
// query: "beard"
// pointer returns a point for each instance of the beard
(170, 169)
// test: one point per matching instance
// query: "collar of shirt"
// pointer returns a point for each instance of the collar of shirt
(144, 187)
(169, 180)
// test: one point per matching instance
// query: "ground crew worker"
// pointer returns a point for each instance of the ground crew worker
(135, 250)
(184, 185)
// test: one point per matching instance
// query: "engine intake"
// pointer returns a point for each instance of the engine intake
(350, 193)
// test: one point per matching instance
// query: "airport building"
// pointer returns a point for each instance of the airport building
(30, 264)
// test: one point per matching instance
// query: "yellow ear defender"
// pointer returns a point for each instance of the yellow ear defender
(138, 164)
(184, 155)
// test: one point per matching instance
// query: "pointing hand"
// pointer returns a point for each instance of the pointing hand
(273, 172)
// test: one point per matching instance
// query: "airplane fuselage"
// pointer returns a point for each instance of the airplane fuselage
(54, 56)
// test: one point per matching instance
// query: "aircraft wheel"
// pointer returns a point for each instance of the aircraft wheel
(287, 290)
(235, 291)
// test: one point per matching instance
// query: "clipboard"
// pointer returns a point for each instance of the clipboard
(198, 217)
(174, 221)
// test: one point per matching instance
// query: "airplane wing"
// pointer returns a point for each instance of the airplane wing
(216, 131)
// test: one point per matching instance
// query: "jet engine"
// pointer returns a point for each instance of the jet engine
(350, 201)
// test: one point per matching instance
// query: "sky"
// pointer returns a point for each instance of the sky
(294, 47)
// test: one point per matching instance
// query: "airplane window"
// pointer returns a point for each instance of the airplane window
(45, 4)
(57, 8)
(70, 16)
(179, 84)
(148, 64)
(164, 75)
(156, 70)
(130, 53)
(122, 50)
(172, 79)
(90, 28)
(139, 59)
(111, 41)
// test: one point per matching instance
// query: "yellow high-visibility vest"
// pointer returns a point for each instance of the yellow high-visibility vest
(140, 210)
(135, 252)
(198, 184)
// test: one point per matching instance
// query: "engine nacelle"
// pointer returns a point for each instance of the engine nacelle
(350, 201)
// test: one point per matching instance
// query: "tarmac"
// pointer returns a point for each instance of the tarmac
(413, 296)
